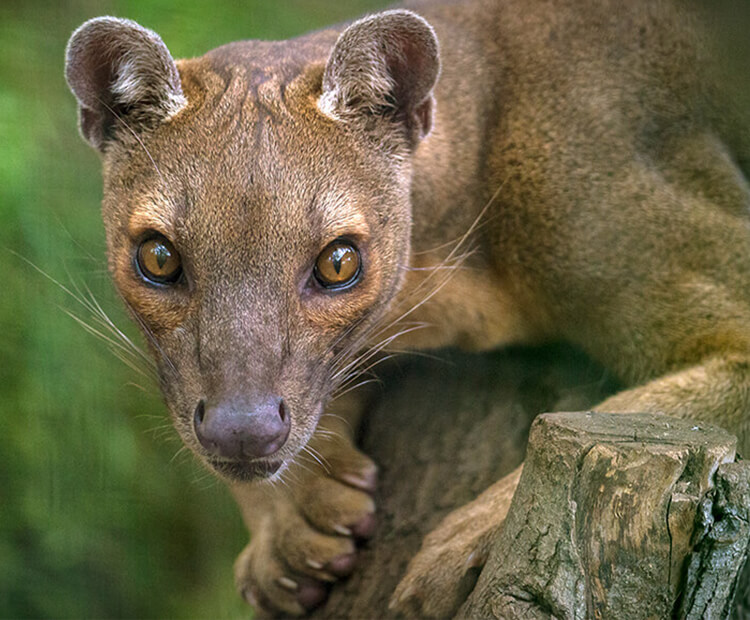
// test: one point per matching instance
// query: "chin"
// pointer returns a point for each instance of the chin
(248, 471)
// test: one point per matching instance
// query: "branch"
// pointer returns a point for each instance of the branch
(618, 516)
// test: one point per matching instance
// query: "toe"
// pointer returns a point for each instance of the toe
(365, 527)
(362, 475)
(312, 594)
(342, 565)
(264, 583)
(336, 508)
(309, 552)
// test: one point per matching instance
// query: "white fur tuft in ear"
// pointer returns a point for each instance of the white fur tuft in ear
(117, 69)
(384, 66)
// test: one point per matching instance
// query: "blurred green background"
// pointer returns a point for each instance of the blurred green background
(101, 514)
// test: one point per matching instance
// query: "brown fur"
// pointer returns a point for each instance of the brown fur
(570, 172)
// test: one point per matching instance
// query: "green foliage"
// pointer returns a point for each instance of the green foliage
(102, 513)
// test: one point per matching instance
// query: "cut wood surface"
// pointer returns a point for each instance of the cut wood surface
(607, 511)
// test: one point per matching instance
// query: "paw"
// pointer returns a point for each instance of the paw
(443, 573)
(307, 538)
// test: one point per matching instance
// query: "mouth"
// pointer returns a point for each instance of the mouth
(247, 471)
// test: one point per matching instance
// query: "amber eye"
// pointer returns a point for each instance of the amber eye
(338, 265)
(158, 261)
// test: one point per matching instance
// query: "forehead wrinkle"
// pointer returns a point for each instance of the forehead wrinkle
(230, 89)
(271, 97)
(229, 108)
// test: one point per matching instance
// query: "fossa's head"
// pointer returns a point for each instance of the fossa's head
(256, 206)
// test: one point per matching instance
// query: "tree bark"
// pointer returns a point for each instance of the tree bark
(444, 429)
(619, 516)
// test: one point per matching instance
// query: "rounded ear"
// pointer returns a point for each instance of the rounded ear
(122, 76)
(384, 68)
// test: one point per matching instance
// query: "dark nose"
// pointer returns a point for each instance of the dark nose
(236, 429)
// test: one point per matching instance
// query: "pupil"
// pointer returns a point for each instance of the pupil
(338, 255)
(162, 255)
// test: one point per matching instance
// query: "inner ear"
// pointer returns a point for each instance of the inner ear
(384, 66)
(117, 69)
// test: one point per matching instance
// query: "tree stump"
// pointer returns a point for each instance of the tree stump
(619, 516)
(447, 428)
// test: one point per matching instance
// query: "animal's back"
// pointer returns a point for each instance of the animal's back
(620, 191)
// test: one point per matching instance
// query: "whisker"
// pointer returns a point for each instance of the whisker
(121, 346)
(358, 372)
(177, 454)
(299, 462)
(326, 433)
(107, 322)
(306, 451)
(121, 352)
(354, 387)
(319, 457)
(472, 228)
(371, 331)
(138, 386)
(293, 476)
(417, 305)
(152, 339)
(345, 365)
(369, 353)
